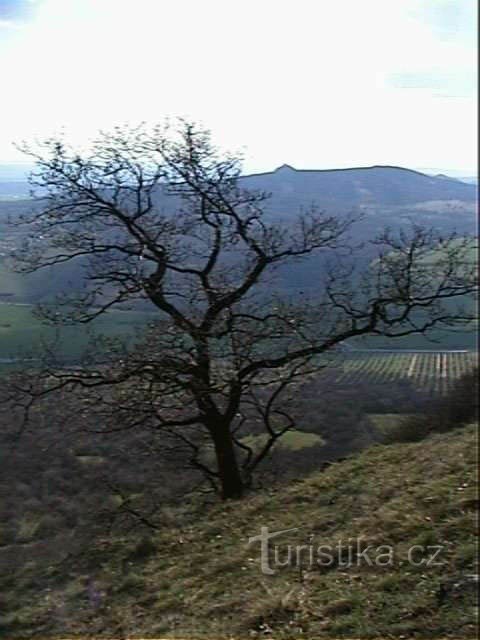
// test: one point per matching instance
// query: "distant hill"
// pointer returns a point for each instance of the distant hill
(332, 188)
(15, 171)
(14, 180)
(383, 195)
(356, 187)
(470, 180)
(464, 175)
(14, 190)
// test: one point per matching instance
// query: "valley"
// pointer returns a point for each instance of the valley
(112, 522)
(239, 253)
(377, 196)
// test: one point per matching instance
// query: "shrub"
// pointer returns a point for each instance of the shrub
(411, 429)
(49, 525)
(458, 408)
(461, 404)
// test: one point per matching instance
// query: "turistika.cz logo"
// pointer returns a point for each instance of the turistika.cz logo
(344, 554)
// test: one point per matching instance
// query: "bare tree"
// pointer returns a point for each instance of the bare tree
(161, 216)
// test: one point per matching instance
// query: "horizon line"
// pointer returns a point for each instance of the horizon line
(467, 173)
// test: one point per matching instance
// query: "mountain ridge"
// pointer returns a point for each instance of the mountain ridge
(335, 169)
(18, 172)
(376, 187)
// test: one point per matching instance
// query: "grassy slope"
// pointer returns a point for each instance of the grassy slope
(203, 580)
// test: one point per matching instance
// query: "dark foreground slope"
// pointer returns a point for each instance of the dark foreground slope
(199, 577)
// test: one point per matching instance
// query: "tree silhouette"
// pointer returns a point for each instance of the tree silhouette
(160, 216)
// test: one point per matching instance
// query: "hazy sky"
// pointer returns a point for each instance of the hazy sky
(313, 83)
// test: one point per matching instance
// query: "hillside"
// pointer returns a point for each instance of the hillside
(384, 196)
(198, 576)
(15, 190)
(15, 171)
(378, 185)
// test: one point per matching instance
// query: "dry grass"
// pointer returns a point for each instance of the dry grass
(203, 580)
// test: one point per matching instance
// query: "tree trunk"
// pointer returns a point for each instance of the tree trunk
(227, 464)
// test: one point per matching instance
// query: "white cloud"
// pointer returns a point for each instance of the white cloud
(10, 24)
(304, 82)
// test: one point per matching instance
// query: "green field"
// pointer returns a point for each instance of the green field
(12, 284)
(21, 333)
(385, 422)
(432, 371)
(294, 440)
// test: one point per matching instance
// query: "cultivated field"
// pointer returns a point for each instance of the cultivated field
(430, 371)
